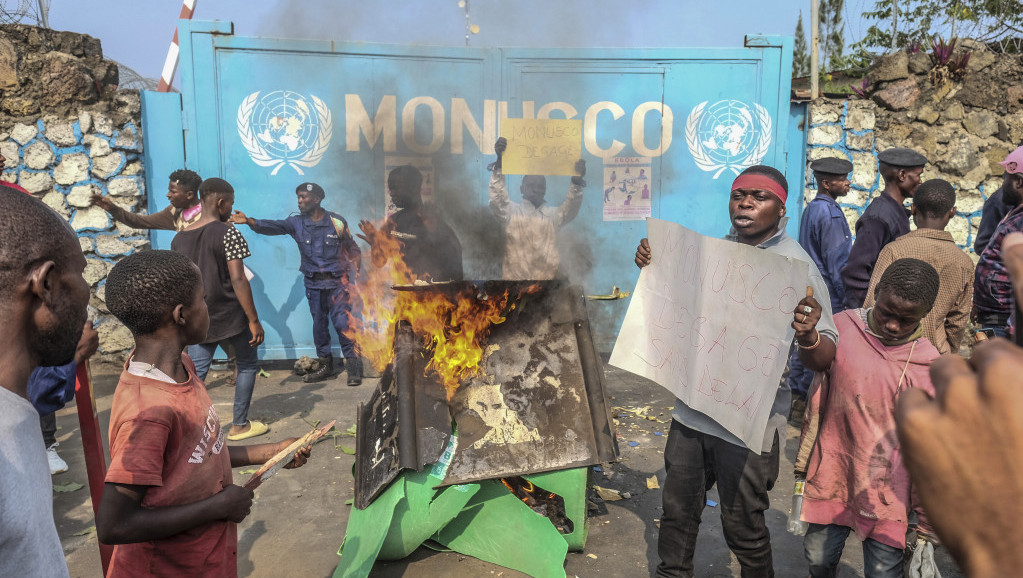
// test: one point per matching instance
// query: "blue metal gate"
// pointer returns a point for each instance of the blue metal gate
(268, 114)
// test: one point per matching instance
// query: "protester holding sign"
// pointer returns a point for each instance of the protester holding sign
(855, 477)
(701, 452)
(531, 227)
(330, 264)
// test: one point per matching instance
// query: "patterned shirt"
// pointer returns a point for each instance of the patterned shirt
(992, 289)
(945, 325)
(211, 247)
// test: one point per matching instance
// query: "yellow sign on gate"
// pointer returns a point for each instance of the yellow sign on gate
(544, 146)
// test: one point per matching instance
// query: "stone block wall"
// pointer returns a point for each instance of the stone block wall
(964, 127)
(67, 133)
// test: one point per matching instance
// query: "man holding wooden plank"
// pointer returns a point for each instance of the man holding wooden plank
(531, 227)
(719, 436)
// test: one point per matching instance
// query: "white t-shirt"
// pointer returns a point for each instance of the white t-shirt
(29, 545)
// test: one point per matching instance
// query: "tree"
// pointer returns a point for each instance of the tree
(800, 51)
(832, 34)
(919, 20)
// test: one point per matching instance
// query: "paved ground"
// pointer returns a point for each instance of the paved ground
(299, 517)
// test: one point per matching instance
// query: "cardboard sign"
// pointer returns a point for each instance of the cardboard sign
(711, 321)
(541, 146)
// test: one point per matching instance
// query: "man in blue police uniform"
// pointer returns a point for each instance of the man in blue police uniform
(824, 234)
(330, 264)
(885, 220)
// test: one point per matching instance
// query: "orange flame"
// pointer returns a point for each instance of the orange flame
(453, 325)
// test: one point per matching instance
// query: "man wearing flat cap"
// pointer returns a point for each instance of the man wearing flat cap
(885, 220)
(824, 234)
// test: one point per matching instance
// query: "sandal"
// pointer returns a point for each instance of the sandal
(256, 428)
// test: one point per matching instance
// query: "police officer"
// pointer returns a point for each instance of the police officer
(824, 234)
(330, 264)
(883, 221)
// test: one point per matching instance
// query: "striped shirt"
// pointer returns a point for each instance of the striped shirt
(945, 325)
(992, 293)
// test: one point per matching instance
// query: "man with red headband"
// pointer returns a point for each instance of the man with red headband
(699, 451)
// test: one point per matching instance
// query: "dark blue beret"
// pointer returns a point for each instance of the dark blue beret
(901, 157)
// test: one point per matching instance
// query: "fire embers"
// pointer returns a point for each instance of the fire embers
(547, 504)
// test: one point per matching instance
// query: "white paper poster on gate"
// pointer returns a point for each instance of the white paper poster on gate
(710, 321)
(627, 194)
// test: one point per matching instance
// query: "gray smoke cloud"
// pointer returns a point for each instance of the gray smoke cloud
(460, 190)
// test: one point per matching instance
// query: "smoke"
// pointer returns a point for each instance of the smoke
(460, 187)
(525, 23)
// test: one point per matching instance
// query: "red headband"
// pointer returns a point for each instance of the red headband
(762, 182)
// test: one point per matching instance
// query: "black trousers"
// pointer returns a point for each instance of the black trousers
(48, 423)
(694, 462)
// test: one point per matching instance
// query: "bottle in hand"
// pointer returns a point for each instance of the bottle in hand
(797, 526)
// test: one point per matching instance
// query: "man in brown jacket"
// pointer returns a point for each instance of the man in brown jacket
(933, 207)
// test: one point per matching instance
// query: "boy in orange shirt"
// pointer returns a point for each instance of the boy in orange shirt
(169, 502)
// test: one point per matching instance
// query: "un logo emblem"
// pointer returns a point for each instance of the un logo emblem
(728, 135)
(284, 128)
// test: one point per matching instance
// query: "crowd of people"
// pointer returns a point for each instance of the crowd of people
(169, 504)
(899, 432)
(869, 385)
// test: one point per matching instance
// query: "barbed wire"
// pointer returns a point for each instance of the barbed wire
(128, 78)
(34, 12)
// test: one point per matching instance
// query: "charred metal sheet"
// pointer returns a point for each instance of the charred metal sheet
(596, 388)
(376, 441)
(405, 424)
(539, 406)
(536, 408)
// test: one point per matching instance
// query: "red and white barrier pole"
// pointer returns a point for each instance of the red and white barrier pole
(92, 445)
(170, 66)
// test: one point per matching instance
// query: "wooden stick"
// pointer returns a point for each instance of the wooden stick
(284, 457)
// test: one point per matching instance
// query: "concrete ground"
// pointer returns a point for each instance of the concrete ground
(299, 517)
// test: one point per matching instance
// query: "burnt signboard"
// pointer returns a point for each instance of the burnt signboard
(537, 404)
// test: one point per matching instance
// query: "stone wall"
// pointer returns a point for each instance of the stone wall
(964, 127)
(67, 133)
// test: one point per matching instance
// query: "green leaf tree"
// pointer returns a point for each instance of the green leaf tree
(832, 37)
(918, 21)
(800, 51)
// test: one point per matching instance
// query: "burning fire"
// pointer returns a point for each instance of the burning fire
(541, 501)
(454, 324)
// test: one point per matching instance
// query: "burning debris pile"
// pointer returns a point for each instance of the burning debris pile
(491, 404)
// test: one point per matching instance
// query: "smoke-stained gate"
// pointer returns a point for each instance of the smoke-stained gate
(268, 114)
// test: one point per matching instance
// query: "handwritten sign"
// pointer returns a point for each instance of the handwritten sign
(710, 321)
(541, 146)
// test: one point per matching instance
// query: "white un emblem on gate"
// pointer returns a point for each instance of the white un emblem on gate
(728, 135)
(284, 128)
